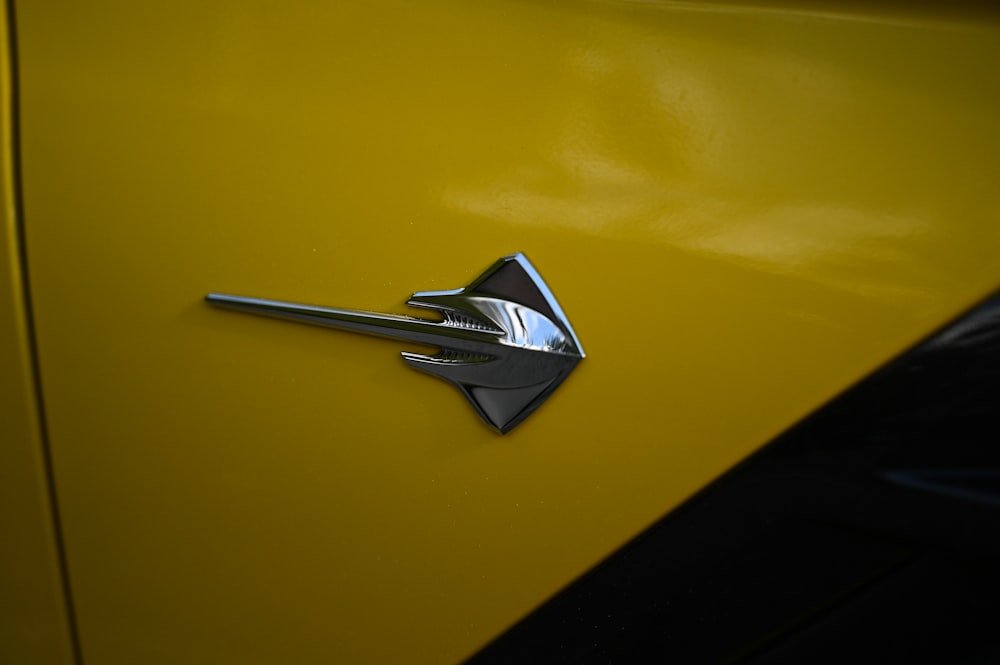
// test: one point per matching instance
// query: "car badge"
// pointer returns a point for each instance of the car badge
(504, 341)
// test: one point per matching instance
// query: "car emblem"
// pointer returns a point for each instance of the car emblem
(504, 340)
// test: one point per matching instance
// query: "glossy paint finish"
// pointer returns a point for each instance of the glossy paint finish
(775, 202)
(34, 621)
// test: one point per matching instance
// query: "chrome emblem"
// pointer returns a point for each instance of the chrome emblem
(505, 342)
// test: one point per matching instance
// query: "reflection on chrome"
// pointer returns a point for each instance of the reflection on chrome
(504, 340)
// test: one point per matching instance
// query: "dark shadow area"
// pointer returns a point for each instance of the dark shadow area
(868, 532)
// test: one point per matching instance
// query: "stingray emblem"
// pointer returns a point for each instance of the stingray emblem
(504, 340)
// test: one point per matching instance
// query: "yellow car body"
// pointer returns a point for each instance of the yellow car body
(744, 209)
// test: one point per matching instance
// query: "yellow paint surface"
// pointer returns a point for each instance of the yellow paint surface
(742, 212)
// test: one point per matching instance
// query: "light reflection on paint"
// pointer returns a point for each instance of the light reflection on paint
(794, 165)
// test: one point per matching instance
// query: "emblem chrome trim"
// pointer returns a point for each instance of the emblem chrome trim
(505, 342)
